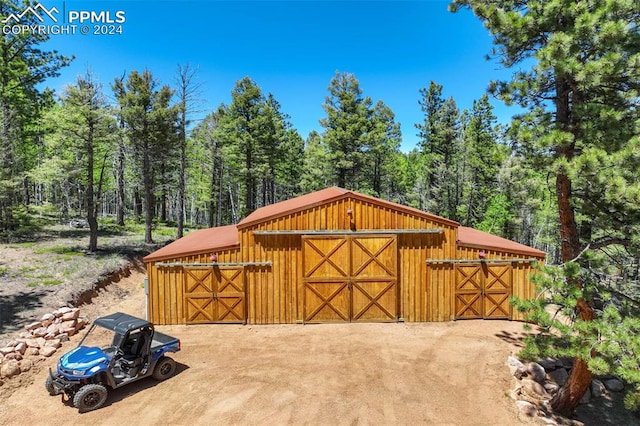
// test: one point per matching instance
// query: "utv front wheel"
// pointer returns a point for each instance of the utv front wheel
(164, 368)
(90, 397)
(48, 384)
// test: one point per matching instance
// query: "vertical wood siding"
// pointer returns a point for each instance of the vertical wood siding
(166, 286)
(275, 293)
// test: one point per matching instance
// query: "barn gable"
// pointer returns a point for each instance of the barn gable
(337, 256)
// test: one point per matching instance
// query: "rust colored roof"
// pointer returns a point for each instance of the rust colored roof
(323, 196)
(200, 241)
(471, 237)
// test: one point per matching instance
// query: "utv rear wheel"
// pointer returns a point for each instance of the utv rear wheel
(50, 388)
(90, 397)
(164, 368)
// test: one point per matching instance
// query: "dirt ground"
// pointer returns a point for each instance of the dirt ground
(422, 373)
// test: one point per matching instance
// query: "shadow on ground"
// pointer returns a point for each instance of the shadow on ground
(11, 306)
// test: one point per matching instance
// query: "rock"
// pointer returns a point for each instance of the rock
(526, 408)
(32, 352)
(63, 337)
(54, 343)
(41, 341)
(70, 316)
(47, 351)
(13, 355)
(551, 387)
(48, 317)
(26, 365)
(516, 367)
(559, 376)
(21, 347)
(586, 397)
(68, 324)
(81, 323)
(10, 368)
(61, 311)
(69, 331)
(597, 388)
(32, 343)
(549, 364)
(7, 350)
(536, 372)
(565, 362)
(33, 326)
(614, 385)
(534, 388)
(39, 332)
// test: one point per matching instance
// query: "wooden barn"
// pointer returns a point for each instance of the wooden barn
(337, 256)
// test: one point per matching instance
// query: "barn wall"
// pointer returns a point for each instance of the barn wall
(522, 287)
(276, 294)
(166, 286)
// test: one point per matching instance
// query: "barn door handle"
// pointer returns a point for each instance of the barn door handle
(349, 285)
(215, 296)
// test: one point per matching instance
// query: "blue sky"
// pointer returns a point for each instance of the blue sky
(293, 49)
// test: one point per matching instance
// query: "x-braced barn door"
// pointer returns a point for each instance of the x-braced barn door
(483, 290)
(350, 278)
(214, 295)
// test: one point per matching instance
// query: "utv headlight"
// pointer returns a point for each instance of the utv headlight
(78, 372)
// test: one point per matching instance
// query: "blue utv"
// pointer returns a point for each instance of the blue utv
(118, 349)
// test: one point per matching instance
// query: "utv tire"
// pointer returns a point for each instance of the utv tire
(164, 369)
(90, 397)
(50, 388)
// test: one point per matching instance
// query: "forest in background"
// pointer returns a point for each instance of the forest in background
(562, 177)
(145, 156)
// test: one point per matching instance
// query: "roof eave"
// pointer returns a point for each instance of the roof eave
(533, 252)
(151, 258)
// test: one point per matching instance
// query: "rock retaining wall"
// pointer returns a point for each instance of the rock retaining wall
(40, 340)
(538, 382)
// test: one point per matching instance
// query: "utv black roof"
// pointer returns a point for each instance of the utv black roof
(121, 323)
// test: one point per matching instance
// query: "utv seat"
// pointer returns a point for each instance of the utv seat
(135, 356)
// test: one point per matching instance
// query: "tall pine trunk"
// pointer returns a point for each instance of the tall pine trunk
(570, 394)
(92, 220)
(120, 184)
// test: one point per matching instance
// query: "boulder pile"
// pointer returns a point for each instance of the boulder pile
(538, 382)
(40, 340)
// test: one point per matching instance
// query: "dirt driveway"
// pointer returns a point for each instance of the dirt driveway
(431, 373)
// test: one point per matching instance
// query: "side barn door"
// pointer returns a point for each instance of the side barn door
(198, 295)
(483, 290)
(214, 295)
(230, 295)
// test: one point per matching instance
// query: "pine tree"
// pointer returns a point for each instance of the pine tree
(87, 125)
(582, 125)
(439, 145)
(23, 69)
(346, 125)
(150, 125)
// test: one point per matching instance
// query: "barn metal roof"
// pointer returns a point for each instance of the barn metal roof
(470, 237)
(200, 241)
(226, 237)
(324, 196)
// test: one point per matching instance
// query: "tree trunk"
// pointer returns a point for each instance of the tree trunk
(568, 397)
(91, 216)
(181, 177)
(120, 184)
(148, 193)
